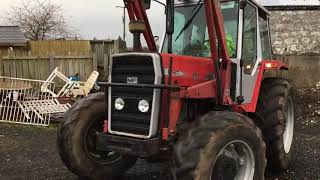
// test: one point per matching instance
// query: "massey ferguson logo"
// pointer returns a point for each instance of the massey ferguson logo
(132, 80)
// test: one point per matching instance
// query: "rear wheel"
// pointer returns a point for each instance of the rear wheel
(76, 141)
(276, 110)
(221, 145)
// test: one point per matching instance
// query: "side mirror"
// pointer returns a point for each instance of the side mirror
(146, 4)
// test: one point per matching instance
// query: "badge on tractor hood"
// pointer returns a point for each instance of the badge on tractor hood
(132, 80)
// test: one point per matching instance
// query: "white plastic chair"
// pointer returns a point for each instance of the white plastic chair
(70, 88)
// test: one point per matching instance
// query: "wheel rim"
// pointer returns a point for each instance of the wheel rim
(235, 161)
(289, 126)
(90, 145)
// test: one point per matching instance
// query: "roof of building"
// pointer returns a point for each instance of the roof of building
(290, 2)
(12, 36)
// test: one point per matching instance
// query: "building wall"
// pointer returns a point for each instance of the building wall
(296, 41)
(295, 31)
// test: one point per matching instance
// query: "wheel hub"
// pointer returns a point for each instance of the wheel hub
(90, 145)
(288, 126)
(234, 161)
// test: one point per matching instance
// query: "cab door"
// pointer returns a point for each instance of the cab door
(256, 46)
(251, 49)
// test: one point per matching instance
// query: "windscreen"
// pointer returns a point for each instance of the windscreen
(191, 32)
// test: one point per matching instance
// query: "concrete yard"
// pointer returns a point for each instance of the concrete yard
(30, 152)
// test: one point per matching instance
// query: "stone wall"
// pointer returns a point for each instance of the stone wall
(295, 31)
(295, 37)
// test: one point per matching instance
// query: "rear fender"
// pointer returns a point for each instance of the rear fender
(264, 66)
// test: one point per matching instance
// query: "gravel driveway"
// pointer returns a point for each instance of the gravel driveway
(30, 152)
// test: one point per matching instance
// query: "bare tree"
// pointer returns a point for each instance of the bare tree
(40, 20)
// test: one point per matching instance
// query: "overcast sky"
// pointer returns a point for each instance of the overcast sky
(98, 18)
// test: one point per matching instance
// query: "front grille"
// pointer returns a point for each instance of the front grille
(133, 66)
(130, 120)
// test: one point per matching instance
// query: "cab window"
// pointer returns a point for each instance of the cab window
(194, 39)
(265, 37)
(249, 42)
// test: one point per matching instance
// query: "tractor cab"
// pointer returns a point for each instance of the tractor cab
(242, 21)
(191, 32)
(247, 35)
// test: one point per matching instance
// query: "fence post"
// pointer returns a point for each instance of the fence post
(105, 66)
(1, 67)
(95, 62)
(51, 63)
(116, 47)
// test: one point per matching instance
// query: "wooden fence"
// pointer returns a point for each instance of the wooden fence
(71, 57)
(60, 48)
(31, 67)
(103, 50)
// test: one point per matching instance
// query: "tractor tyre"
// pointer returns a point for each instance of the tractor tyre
(221, 145)
(76, 141)
(275, 109)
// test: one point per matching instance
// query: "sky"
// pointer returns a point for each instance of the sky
(98, 18)
(102, 20)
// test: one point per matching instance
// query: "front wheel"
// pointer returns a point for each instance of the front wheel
(76, 141)
(221, 145)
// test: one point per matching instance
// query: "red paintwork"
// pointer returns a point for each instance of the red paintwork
(215, 25)
(212, 35)
(165, 133)
(251, 107)
(191, 71)
(176, 103)
(105, 127)
(175, 108)
(131, 15)
(226, 80)
(196, 73)
(164, 105)
(187, 70)
(216, 31)
(207, 89)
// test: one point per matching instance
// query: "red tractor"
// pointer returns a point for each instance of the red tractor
(202, 102)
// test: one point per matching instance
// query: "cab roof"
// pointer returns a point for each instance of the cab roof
(187, 2)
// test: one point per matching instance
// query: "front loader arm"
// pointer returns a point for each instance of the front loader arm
(136, 11)
(217, 34)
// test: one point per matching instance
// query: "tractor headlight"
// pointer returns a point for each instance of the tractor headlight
(143, 106)
(119, 104)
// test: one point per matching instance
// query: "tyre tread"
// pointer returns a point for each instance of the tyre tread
(272, 112)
